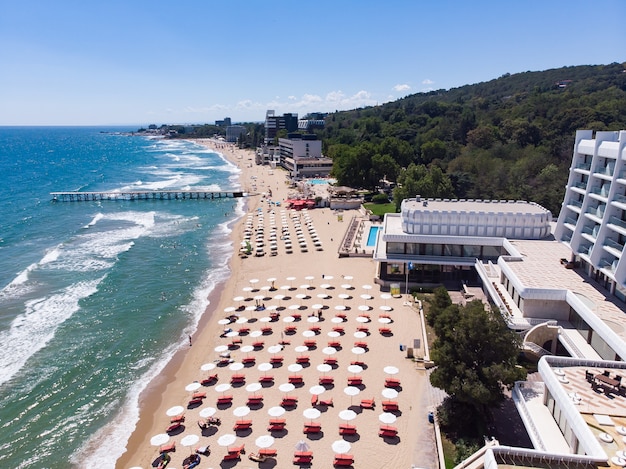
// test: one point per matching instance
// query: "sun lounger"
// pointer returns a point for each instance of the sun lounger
(384, 330)
(387, 431)
(302, 457)
(357, 362)
(290, 329)
(367, 403)
(236, 341)
(266, 379)
(363, 329)
(315, 329)
(389, 406)
(268, 452)
(334, 344)
(327, 402)
(177, 418)
(173, 427)
(296, 379)
(341, 315)
(210, 379)
(347, 429)
(238, 378)
(242, 425)
(232, 456)
(392, 383)
(343, 460)
(338, 329)
(266, 330)
(297, 316)
(330, 361)
(310, 343)
(314, 400)
(238, 449)
(360, 344)
(302, 359)
(244, 330)
(199, 395)
(326, 380)
(167, 447)
(258, 344)
(247, 360)
(278, 422)
(224, 399)
(355, 381)
(276, 359)
(275, 428)
(194, 402)
(289, 401)
(312, 428)
(255, 400)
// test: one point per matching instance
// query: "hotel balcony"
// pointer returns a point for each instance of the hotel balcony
(570, 223)
(602, 191)
(613, 247)
(608, 266)
(604, 171)
(579, 187)
(620, 201)
(591, 233)
(583, 168)
(617, 225)
(574, 205)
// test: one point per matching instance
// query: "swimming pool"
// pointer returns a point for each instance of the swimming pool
(321, 181)
(371, 237)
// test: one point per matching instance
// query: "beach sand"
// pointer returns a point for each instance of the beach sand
(415, 443)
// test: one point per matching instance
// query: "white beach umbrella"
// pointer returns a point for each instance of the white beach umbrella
(347, 414)
(341, 446)
(391, 370)
(355, 369)
(334, 334)
(193, 386)
(222, 387)
(274, 349)
(360, 334)
(226, 439)
(276, 411)
(264, 441)
(241, 411)
(317, 389)
(289, 319)
(311, 413)
(286, 387)
(207, 367)
(313, 319)
(389, 393)
(176, 410)
(256, 334)
(247, 348)
(358, 350)
(337, 320)
(387, 417)
(295, 367)
(340, 307)
(189, 440)
(160, 439)
(236, 366)
(384, 320)
(264, 366)
(324, 368)
(254, 387)
(207, 412)
(329, 351)
(301, 348)
(223, 322)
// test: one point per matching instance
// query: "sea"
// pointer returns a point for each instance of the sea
(96, 297)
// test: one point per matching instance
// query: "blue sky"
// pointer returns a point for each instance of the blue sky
(133, 62)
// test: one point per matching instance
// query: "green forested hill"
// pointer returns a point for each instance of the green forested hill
(509, 138)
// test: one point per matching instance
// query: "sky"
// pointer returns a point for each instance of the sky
(132, 62)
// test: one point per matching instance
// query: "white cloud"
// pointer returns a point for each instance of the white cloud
(427, 82)
(403, 87)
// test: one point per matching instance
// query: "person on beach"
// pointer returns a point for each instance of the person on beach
(190, 340)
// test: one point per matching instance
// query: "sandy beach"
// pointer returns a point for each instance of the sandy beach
(311, 281)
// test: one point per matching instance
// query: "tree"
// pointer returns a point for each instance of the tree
(476, 357)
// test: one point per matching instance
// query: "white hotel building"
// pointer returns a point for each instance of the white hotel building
(562, 287)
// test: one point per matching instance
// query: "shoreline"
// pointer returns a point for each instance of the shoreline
(315, 267)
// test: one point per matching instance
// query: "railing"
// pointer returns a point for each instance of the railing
(614, 244)
(570, 221)
(583, 166)
(593, 232)
(538, 350)
(571, 346)
(595, 211)
(607, 265)
(575, 203)
(601, 191)
(580, 185)
(616, 221)
(518, 397)
(605, 170)
(620, 198)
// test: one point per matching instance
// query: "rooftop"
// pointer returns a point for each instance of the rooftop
(472, 205)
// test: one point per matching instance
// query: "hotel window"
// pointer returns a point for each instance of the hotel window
(395, 248)
(413, 248)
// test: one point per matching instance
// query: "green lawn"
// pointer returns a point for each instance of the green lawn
(381, 209)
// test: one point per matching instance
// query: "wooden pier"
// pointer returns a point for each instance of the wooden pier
(143, 195)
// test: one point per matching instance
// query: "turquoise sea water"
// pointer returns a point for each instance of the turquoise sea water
(95, 297)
